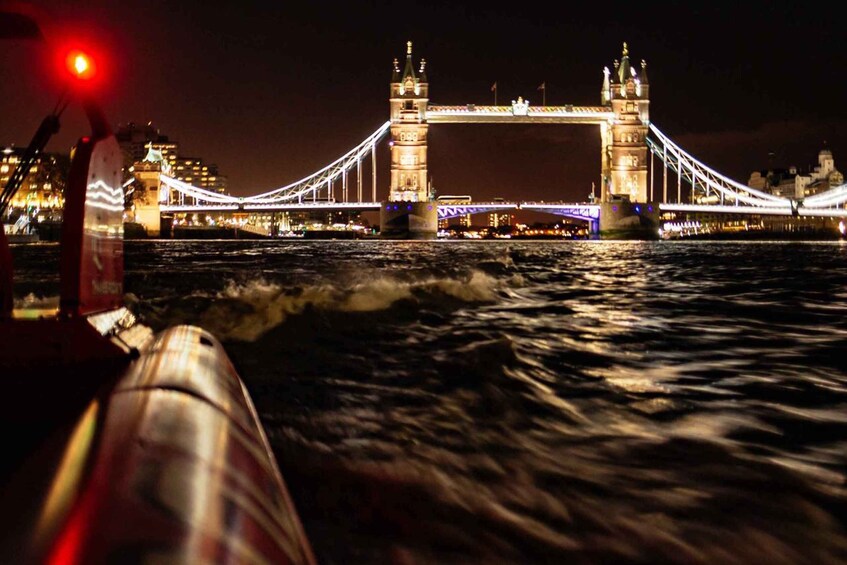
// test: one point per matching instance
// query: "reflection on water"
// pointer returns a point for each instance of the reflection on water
(502, 402)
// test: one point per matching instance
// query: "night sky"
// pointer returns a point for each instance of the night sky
(271, 92)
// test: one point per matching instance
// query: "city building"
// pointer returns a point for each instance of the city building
(133, 140)
(137, 141)
(791, 183)
(215, 181)
(193, 171)
(42, 191)
(501, 219)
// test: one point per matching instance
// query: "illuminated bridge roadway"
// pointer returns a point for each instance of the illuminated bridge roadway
(578, 211)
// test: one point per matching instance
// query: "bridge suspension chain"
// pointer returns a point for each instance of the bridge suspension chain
(706, 180)
(832, 198)
(314, 182)
(307, 187)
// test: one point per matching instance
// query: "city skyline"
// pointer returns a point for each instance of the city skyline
(273, 93)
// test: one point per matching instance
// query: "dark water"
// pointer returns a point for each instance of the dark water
(550, 402)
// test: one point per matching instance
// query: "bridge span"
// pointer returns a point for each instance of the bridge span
(579, 211)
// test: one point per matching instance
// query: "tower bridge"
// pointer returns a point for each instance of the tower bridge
(633, 193)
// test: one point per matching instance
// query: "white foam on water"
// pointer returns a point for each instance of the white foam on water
(245, 312)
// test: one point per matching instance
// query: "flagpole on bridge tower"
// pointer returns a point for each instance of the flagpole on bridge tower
(543, 88)
(494, 90)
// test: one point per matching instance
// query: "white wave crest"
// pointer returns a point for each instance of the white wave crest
(375, 295)
(480, 287)
(245, 312)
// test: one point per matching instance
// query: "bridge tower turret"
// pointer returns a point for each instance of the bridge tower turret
(409, 98)
(624, 138)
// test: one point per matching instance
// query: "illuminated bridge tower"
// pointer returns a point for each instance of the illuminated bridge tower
(409, 97)
(409, 211)
(625, 137)
(624, 197)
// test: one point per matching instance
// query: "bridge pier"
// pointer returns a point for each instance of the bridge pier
(594, 228)
(408, 220)
(621, 219)
(149, 217)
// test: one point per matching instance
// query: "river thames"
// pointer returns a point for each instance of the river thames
(529, 402)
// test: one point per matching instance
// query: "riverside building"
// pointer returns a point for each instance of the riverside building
(791, 183)
(43, 190)
(137, 142)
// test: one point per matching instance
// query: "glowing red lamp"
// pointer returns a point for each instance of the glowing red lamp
(80, 65)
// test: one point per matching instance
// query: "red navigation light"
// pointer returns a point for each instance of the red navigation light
(80, 65)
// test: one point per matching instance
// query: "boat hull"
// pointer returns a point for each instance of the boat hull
(168, 460)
